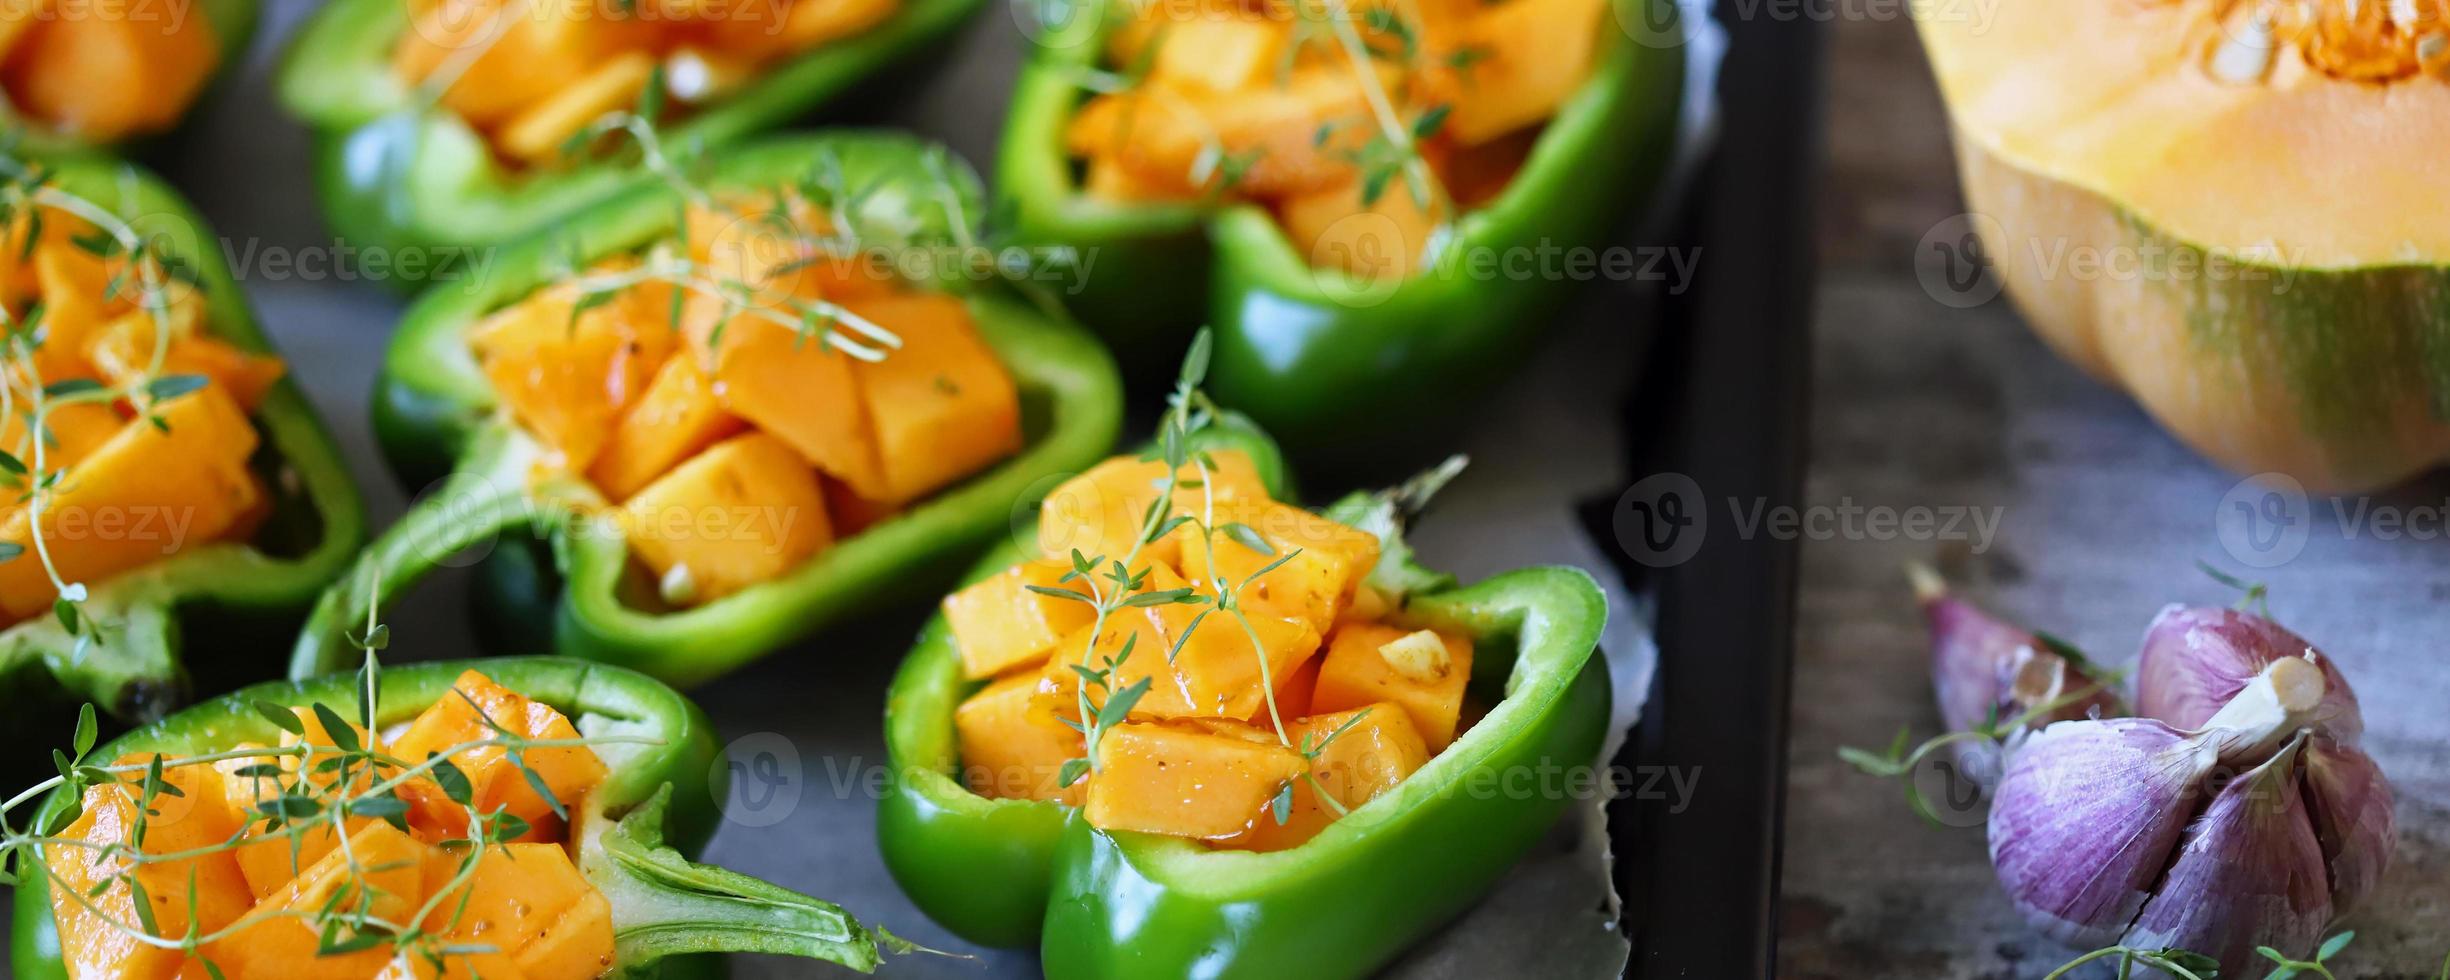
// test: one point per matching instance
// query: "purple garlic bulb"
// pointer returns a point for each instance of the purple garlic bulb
(1984, 668)
(2351, 806)
(2196, 658)
(2112, 829)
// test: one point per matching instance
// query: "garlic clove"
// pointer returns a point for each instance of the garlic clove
(2250, 873)
(1984, 668)
(2195, 659)
(2085, 818)
(2351, 804)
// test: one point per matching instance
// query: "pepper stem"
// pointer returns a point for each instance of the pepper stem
(2270, 710)
(665, 905)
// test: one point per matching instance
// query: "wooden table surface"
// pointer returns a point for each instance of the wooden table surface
(2100, 519)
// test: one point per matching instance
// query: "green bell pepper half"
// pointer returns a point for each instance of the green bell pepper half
(434, 404)
(398, 173)
(1321, 357)
(1010, 872)
(231, 597)
(233, 24)
(658, 802)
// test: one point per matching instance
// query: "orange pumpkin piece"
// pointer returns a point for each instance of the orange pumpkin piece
(108, 77)
(470, 713)
(141, 496)
(530, 903)
(1384, 240)
(75, 431)
(74, 288)
(1274, 128)
(567, 379)
(792, 386)
(1215, 671)
(197, 818)
(943, 406)
(1220, 54)
(282, 934)
(1009, 751)
(537, 133)
(455, 966)
(1099, 513)
(534, 51)
(123, 352)
(782, 246)
(268, 861)
(1537, 55)
(676, 418)
(1322, 562)
(1186, 782)
(753, 30)
(999, 624)
(747, 511)
(1361, 754)
(1421, 671)
(1293, 693)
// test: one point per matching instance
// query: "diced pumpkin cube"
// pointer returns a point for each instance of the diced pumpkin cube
(754, 30)
(74, 287)
(1182, 782)
(268, 860)
(536, 53)
(1421, 671)
(1361, 753)
(1009, 751)
(777, 243)
(75, 430)
(195, 819)
(1220, 54)
(1537, 55)
(281, 940)
(537, 133)
(1107, 180)
(455, 966)
(942, 405)
(1272, 130)
(1322, 562)
(999, 624)
(793, 387)
(107, 77)
(744, 512)
(567, 379)
(676, 418)
(1099, 513)
(1380, 241)
(123, 353)
(1216, 672)
(529, 902)
(470, 713)
(141, 496)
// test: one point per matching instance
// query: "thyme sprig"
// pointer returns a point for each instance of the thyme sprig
(1898, 761)
(2189, 965)
(1115, 584)
(29, 195)
(300, 789)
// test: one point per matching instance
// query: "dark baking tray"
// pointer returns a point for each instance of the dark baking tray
(1723, 403)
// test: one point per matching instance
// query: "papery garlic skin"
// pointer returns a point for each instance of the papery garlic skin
(2249, 873)
(2351, 806)
(2196, 658)
(2084, 820)
(1985, 668)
